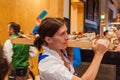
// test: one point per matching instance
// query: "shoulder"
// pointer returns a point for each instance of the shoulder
(48, 59)
(7, 42)
(53, 68)
(7, 46)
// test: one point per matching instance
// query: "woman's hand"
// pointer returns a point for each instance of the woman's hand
(100, 46)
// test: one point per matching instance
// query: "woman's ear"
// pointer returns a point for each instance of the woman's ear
(48, 39)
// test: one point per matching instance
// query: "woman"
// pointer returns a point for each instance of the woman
(54, 64)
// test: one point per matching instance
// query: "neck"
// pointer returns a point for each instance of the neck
(54, 48)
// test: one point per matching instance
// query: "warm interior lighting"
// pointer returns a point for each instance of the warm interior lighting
(116, 21)
(75, 1)
(102, 16)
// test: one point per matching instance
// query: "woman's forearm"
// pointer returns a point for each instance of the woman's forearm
(91, 72)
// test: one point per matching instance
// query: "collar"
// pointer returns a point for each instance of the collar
(50, 52)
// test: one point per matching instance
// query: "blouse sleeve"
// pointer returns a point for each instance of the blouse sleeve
(8, 50)
(32, 51)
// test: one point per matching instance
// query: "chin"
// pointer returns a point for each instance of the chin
(64, 47)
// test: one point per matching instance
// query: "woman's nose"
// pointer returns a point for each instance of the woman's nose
(66, 36)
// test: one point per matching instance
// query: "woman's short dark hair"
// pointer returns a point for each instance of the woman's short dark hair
(48, 27)
(4, 67)
(15, 26)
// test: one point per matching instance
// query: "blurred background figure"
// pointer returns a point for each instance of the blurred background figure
(17, 54)
(77, 57)
(38, 22)
(118, 38)
(4, 67)
(106, 35)
(35, 30)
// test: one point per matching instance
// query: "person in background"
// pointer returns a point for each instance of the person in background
(54, 63)
(38, 21)
(4, 66)
(77, 57)
(35, 30)
(117, 48)
(106, 35)
(17, 54)
(95, 37)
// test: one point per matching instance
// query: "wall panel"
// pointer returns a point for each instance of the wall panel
(23, 12)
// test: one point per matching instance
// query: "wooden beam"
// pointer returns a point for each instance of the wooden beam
(22, 41)
(71, 43)
(80, 44)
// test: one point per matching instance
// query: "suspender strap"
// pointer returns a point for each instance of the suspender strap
(41, 57)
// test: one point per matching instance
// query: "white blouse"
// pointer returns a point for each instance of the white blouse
(51, 66)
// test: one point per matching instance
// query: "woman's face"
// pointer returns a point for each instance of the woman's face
(59, 40)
